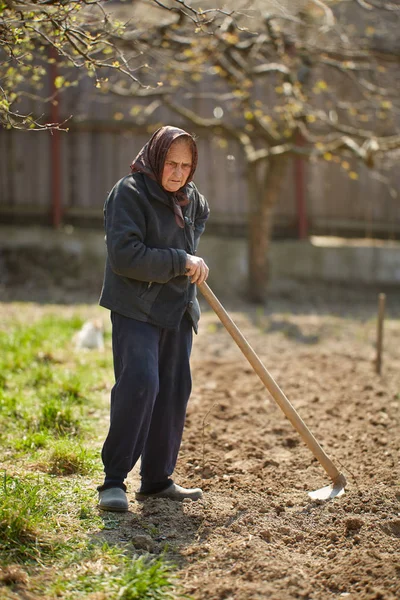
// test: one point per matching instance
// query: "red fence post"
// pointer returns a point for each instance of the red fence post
(299, 181)
(55, 145)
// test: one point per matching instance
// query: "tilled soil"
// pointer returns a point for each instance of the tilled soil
(256, 533)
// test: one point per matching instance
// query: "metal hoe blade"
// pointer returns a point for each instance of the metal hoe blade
(329, 492)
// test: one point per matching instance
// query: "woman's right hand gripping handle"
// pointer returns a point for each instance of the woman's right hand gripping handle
(196, 269)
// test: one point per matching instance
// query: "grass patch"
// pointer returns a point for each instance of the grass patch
(46, 387)
(67, 458)
(109, 573)
(32, 441)
(57, 417)
(51, 397)
(23, 511)
(144, 579)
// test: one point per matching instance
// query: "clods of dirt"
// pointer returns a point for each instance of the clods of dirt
(256, 534)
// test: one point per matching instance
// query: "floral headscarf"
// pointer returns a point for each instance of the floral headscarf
(151, 159)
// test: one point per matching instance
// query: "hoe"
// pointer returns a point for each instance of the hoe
(336, 488)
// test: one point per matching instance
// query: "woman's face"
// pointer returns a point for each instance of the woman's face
(177, 166)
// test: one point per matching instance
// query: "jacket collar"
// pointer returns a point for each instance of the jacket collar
(156, 191)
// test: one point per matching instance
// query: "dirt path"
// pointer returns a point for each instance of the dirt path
(256, 534)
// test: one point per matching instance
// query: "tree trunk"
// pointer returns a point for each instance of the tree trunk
(264, 184)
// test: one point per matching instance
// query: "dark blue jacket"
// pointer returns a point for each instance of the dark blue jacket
(146, 252)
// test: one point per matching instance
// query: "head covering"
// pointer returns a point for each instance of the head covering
(151, 159)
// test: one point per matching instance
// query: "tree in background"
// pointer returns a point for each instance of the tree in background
(80, 37)
(313, 79)
(309, 78)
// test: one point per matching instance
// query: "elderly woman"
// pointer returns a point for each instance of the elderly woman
(153, 220)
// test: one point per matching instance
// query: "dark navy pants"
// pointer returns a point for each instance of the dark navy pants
(149, 398)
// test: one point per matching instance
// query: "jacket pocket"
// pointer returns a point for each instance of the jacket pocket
(145, 291)
(145, 288)
(151, 292)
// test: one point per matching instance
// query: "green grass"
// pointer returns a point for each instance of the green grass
(51, 397)
(23, 510)
(68, 458)
(117, 576)
(45, 389)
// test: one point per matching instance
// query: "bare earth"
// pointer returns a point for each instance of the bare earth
(256, 533)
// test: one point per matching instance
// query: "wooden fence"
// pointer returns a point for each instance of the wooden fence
(94, 156)
(99, 148)
(40, 170)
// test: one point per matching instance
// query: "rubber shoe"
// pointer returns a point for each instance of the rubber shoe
(173, 492)
(113, 499)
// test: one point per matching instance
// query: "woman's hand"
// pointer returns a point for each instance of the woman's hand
(196, 269)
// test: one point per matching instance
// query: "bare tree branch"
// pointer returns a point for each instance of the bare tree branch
(371, 5)
(330, 20)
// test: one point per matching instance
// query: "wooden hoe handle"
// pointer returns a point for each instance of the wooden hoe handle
(270, 383)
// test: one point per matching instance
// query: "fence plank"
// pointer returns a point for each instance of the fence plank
(94, 157)
(4, 172)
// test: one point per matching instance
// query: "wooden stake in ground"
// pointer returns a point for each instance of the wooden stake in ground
(379, 333)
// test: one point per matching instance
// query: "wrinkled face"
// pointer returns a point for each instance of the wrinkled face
(177, 166)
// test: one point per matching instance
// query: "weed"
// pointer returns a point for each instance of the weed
(66, 458)
(32, 441)
(8, 404)
(22, 512)
(154, 531)
(3, 380)
(57, 418)
(71, 390)
(111, 522)
(85, 512)
(118, 576)
(40, 375)
(145, 579)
